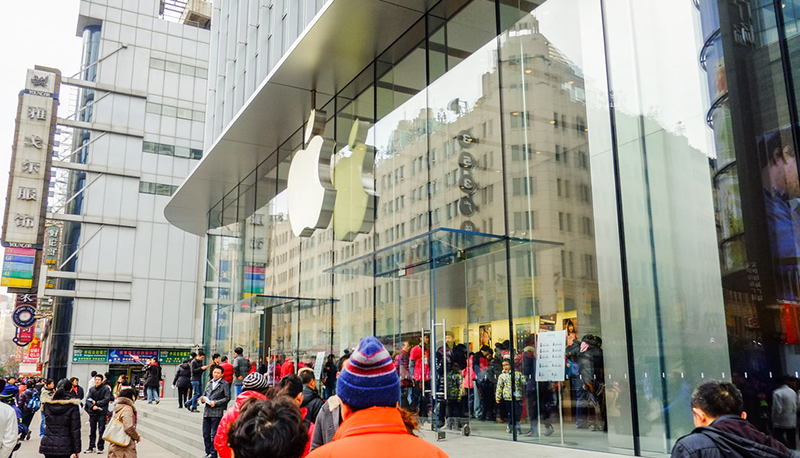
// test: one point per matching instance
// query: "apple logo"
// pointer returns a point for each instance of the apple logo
(353, 178)
(311, 193)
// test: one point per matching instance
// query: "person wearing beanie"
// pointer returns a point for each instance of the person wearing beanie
(369, 388)
(253, 386)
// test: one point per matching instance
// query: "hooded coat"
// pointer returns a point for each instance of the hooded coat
(376, 428)
(62, 430)
(182, 376)
(729, 436)
(221, 439)
(128, 419)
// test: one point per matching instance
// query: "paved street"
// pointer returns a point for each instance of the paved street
(30, 449)
(163, 423)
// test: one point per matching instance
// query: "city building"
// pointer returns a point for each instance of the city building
(124, 282)
(493, 172)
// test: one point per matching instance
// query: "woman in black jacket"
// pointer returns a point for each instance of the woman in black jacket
(182, 382)
(152, 381)
(62, 431)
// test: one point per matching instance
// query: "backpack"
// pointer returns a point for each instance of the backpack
(34, 403)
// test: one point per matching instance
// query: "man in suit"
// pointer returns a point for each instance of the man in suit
(215, 397)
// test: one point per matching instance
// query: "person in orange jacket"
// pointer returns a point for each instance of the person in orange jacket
(369, 387)
(253, 386)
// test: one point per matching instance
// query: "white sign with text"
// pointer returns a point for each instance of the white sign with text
(550, 356)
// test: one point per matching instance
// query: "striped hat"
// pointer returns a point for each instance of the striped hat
(369, 378)
(254, 381)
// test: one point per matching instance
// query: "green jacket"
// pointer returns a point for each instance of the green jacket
(503, 391)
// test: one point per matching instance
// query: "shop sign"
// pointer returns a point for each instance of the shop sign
(89, 355)
(52, 237)
(24, 316)
(24, 336)
(31, 157)
(33, 352)
(124, 356)
(173, 356)
(320, 191)
(18, 267)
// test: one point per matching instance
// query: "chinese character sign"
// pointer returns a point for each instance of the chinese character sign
(31, 156)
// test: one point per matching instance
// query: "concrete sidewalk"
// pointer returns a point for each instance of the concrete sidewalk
(30, 449)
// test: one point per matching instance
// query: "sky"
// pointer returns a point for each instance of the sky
(35, 32)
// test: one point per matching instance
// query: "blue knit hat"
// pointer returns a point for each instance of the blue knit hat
(369, 378)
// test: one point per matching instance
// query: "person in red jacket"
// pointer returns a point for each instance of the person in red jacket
(227, 369)
(271, 428)
(369, 387)
(253, 386)
(288, 367)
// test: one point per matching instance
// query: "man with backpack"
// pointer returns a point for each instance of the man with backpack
(97, 407)
(241, 367)
(28, 404)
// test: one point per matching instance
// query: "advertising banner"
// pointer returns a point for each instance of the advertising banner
(173, 356)
(89, 355)
(124, 356)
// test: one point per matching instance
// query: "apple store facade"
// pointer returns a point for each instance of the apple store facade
(483, 172)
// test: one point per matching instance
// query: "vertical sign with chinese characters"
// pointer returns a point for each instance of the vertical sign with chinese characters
(26, 199)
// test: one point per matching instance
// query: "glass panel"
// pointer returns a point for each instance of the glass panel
(565, 314)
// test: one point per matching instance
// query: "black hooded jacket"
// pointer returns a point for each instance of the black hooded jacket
(729, 436)
(62, 430)
(312, 402)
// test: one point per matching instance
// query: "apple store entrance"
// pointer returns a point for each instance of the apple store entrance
(451, 286)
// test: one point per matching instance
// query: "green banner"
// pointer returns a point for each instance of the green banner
(90, 355)
(173, 356)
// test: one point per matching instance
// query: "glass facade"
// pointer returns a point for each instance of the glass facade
(544, 166)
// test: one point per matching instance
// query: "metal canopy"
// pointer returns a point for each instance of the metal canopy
(339, 43)
(435, 248)
(261, 302)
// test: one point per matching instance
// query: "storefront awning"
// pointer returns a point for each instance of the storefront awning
(440, 246)
(339, 43)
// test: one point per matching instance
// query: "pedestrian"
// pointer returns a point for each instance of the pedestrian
(196, 368)
(330, 415)
(784, 413)
(287, 367)
(152, 381)
(311, 400)
(227, 375)
(181, 381)
(271, 427)
(368, 387)
(76, 391)
(241, 367)
(11, 389)
(590, 366)
(510, 399)
(721, 430)
(48, 389)
(254, 386)
(215, 397)
(122, 381)
(417, 361)
(125, 412)
(62, 433)
(403, 370)
(329, 372)
(9, 429)
(107, 381)
(97, 401)
(215, 361)
(28, 405)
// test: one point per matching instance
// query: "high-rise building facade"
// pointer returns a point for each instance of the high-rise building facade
(125, 282)
(489, 172)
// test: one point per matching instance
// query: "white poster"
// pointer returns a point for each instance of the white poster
(550, 356)
(318, 365)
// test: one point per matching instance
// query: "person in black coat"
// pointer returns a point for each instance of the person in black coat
(97, 401)
(721, 431)
(62, 431)
(311, 400)
(152, 381)
(181, 382)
